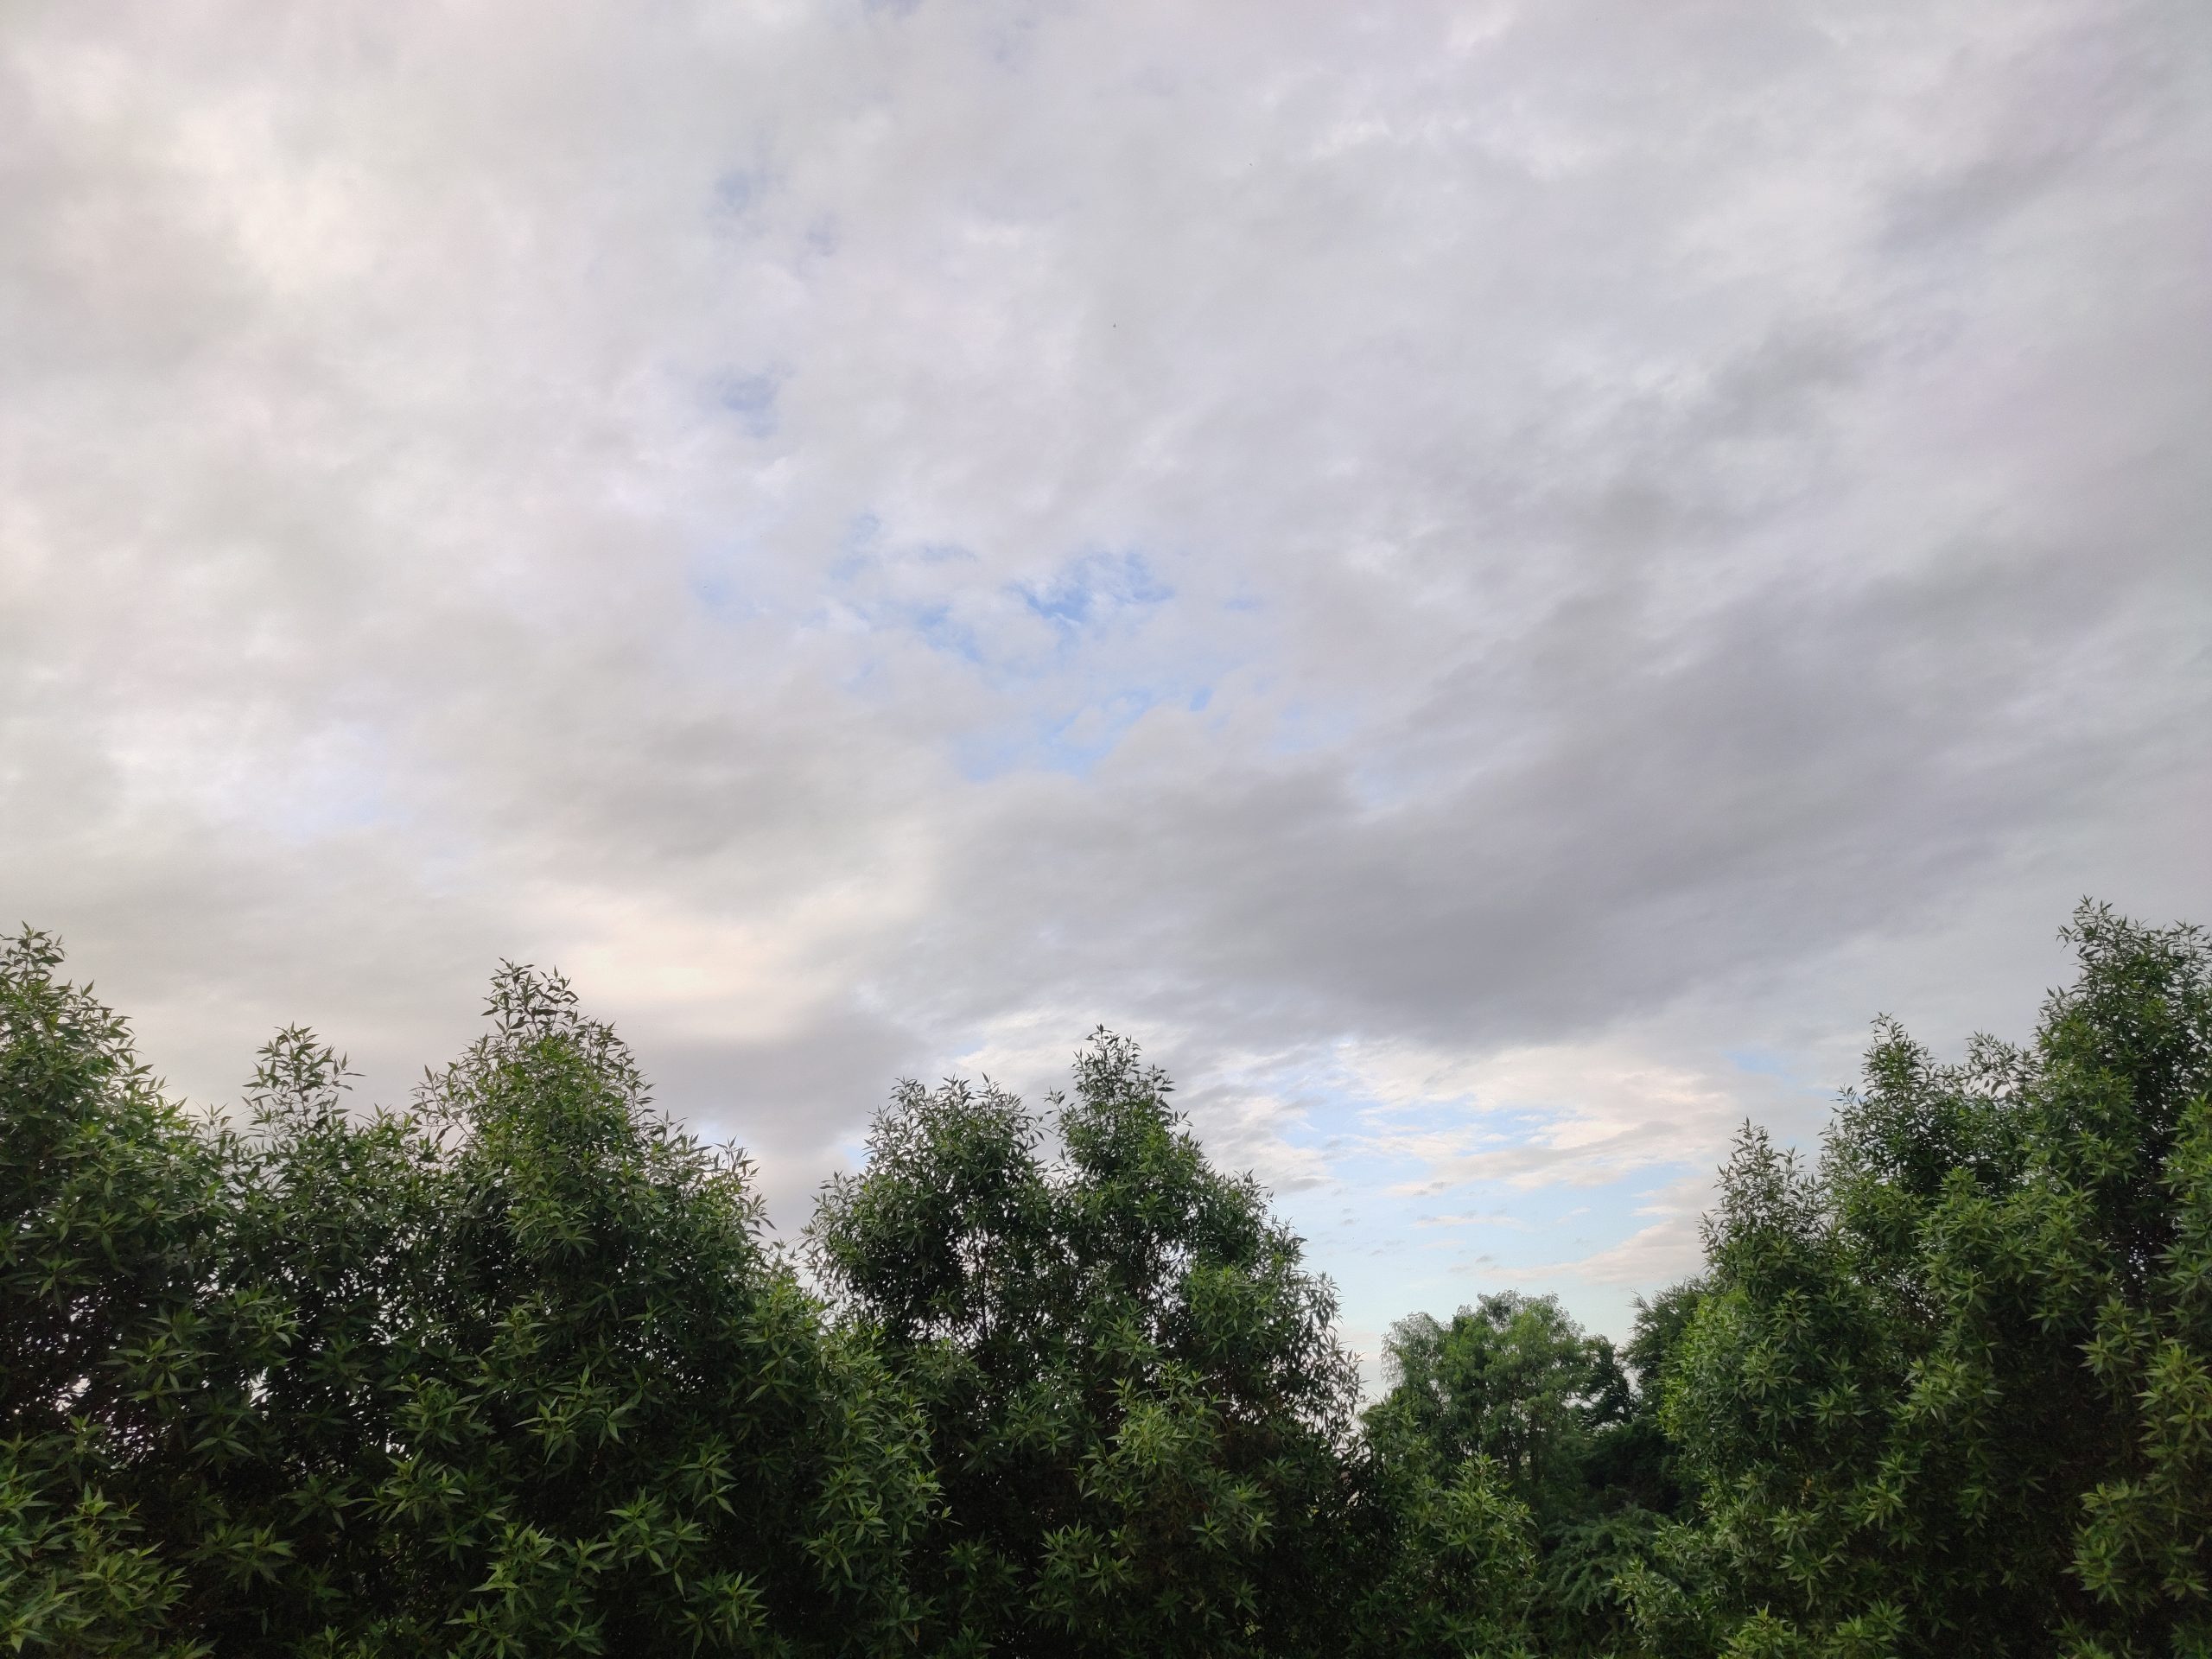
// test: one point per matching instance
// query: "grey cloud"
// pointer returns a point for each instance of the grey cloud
(1625, 515)
(1819, 765)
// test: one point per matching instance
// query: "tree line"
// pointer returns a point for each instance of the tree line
(514, 1370)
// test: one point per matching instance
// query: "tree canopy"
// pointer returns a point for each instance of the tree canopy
(512, 1369)
(1138, 1406)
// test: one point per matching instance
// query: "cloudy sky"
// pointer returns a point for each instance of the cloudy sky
(1491, 581)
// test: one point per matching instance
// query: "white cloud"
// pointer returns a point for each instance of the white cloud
(1662, 1251)
(1440, 560)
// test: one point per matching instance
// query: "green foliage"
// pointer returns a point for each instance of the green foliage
(1512, 1379)
(1949, 1392)
(511, 1371)
(1514, 1387)
(1454, 1569)
(507, 1373)
(1136, 1403)
(111, 1207)
(612, 1423)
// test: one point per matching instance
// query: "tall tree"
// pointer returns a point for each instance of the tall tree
(510, 1373)
(1952, 1389)
(621, 1425)
(1514, 1379)
(1513, 1395)
(1135, 1398)
(111, 1211)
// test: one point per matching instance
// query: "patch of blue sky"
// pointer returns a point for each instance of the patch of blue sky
(1373, 1147)
(750, 398)
(1071, 744)
(859, 552)
(1066, 697)
(1401, 1148)
(713, 577)
(1093, 588)
(1391, 1256)
(942, 631)
(715, 591)
(1073, 660)
(739, 190)
(1383, 1276)
(1789, 1069)
(1090, 596)
(1243, 602)
(1429, 1204)
(934, 619)
(1763, 1062)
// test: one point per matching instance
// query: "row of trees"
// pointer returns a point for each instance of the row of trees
(511, 1371)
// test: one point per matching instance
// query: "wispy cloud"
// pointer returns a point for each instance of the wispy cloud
(1490, 580)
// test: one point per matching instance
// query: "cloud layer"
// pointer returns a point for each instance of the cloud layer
(1490, 580)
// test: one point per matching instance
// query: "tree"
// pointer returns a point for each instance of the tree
(1949, 1389)
(1446, 1562)
(508, 1373)
(513, 1370)
(110, 1210)
(620, 1425)
(1136, 1402)
(1514, 1395)
(1513, 1379)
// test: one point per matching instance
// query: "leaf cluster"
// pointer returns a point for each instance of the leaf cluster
(514, 1370)
(1137, 1406)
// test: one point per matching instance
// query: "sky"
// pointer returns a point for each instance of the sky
(1491, 581)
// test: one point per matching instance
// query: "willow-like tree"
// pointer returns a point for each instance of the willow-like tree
(113, 1384)
(1951, 1392)
(1136, 1402)
(511, 1370)
(1512, 1411)
(507, 1373)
